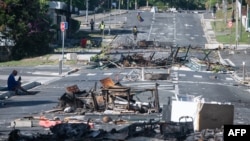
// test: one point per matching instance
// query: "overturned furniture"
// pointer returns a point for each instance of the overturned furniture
(111, 96)
(120, 98)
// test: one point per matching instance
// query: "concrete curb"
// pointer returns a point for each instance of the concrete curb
(27, 86)
(72, 71)
(7, 94)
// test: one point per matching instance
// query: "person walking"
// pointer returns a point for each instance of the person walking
(15, 85)
(92, 23)
(135, 31)
(101, 27)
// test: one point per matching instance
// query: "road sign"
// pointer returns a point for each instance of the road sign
(63, 26)
(230, 24)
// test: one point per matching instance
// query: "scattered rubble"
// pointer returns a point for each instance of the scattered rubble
(115, 99)
(151, 130)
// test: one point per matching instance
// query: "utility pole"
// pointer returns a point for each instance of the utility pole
(135, 4)
(225, 10)
(119, 7)
(87, 8)
(210, 3)
(111, 2)
(240, 19)
(127, 4)
(247, 24)
(237, 22)
(68, 18)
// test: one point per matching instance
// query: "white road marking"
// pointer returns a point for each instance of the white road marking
(107, 73)
(229, 78)
(91, 74)
(182, 75)
(197, 76)
(123, 73)
(181, 68)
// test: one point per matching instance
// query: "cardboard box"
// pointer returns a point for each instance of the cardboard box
(211, 116)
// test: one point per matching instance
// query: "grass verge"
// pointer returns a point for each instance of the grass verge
(227, 35)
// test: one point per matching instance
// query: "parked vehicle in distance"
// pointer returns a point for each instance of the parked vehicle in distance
(173, 10)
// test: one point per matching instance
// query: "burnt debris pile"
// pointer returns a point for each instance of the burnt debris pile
(110, 97)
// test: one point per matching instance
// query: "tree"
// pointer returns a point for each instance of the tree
(248, 2)
(26, 23)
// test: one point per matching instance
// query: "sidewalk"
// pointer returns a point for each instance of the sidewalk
(208, 30)
(211, 38)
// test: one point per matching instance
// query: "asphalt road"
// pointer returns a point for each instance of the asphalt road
(177, 29)
(223, 89)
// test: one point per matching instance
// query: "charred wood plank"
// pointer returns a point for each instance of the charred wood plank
(157, 103)
(94, 101)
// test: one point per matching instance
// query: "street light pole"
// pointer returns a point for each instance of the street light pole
(111, 1)
(237, 22)
(119, 7)
(115, 12)
(68, 17)
(210, 3)
(94, 14)
(127, 4)
(135, 4)
(225, 10)
(240, 18)
(87, 8)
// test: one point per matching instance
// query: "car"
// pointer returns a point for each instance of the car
(173, 10)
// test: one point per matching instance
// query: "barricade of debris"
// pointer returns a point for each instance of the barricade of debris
(133, 60)
(134, 120)
(111, 96)
(193, 57)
